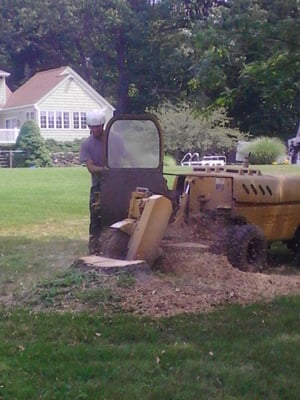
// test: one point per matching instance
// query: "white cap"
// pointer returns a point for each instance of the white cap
(95, 118)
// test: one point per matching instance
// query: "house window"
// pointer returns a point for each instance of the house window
(30, 115)
(50, 119)
(12, 123)
(66, 120)
(43, 119)
(58, 120)
(76, 120)
(61, 120)
(83, 120)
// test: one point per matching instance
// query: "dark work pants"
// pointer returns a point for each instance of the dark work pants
(95, 222)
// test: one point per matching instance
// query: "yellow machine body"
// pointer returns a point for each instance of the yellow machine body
(268, 201)
(148, 219)
(254, 208)
(150, 229)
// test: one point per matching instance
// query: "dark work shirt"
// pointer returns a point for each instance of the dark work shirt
(92, 149)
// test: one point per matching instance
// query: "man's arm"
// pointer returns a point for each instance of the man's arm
(85, 157)
(92, 168)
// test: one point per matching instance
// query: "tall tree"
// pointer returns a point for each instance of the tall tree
(254, 70)
(37, 35)
(134, 52)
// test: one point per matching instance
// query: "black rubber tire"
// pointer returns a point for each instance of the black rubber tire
(297, 257)
(114, 243)
(246, 248)
(291, 244)
(294, 243)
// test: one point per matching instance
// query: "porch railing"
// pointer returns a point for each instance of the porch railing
(9, 136)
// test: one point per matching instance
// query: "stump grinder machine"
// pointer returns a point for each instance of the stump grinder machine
(250, 209)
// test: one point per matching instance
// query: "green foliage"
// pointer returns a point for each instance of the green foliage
(126, 280)
(110, 43)
(242, 55)
(186, 131)
(6, 147)
(50, 290)
(31, 142)
(247, 59)
(264, 150)
(55, 147)
(74, 285)
(169, 161)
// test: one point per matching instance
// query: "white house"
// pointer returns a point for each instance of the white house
(57, 100)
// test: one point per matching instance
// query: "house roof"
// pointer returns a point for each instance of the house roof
(37, 87)
(43, 83)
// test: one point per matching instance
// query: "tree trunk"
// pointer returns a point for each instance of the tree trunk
(123, 84)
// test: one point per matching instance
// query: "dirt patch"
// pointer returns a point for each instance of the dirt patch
(200, 281)
(197, 277)
(194, 276)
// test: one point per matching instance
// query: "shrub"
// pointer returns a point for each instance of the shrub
(265, 150)
(169, 161)
(55, 147)
(185, 131)
(32, 144)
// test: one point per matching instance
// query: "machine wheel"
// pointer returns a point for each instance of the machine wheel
(297, 258)
(246, 248)
(291, 244)
(114, 243)
(294, 243)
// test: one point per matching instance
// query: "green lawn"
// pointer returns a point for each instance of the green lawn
(235, 353)
(44, 223)
(39, 196)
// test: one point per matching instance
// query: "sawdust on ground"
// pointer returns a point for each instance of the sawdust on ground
(194, 275)
(193, 278)
(194, 281)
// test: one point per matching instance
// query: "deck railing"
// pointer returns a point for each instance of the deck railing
(9, 136)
